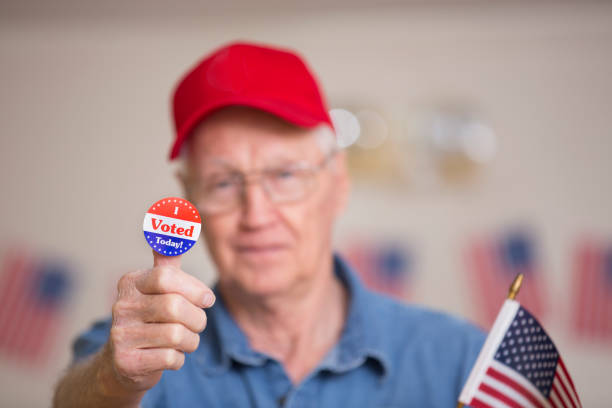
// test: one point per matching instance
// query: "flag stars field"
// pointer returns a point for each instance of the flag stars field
(519, 366)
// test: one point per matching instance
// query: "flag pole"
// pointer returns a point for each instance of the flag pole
(515, 287)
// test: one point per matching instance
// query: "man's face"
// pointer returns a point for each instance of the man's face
(259, 246)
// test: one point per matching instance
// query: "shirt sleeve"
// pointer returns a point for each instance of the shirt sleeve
(90, 341)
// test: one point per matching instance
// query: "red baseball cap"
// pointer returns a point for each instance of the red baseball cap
(271, 79)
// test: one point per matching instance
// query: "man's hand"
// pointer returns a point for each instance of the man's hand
(156, 319)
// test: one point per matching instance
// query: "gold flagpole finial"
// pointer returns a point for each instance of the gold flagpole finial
(515, 287)
(460, 405)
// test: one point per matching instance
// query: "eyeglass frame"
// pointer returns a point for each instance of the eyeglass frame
(258, 176)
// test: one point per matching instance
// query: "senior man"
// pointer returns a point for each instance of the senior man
(288, 323)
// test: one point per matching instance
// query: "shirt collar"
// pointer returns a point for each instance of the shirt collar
(361, 338)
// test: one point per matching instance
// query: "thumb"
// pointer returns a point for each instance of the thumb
(163, 260)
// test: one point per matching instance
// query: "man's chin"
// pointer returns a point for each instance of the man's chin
(269, 280)
(263, 257)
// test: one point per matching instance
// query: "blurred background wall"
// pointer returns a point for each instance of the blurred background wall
(85, 128)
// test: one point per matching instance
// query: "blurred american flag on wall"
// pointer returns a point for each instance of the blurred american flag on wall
(34, 292)
(492, 265)
(385, 267)
(592, 291)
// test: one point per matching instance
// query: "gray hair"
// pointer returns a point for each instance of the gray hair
(324, 135)
(326, 139)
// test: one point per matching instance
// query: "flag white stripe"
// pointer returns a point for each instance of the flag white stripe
(518, 378)
(507, 390)
(496, 335)
(490, 400)
(561, 392)
(563, 377)
(569, 401)
(555, 399)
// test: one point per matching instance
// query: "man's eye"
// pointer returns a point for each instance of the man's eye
(221, 184)
(285, 174)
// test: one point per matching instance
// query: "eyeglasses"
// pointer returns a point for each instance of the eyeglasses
(224, 190)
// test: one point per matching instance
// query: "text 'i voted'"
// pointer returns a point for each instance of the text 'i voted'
(172, 226)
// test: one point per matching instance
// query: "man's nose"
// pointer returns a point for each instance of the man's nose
(257, 209)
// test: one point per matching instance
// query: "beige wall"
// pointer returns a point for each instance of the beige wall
(85, 130)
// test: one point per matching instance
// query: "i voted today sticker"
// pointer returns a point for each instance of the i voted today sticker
(172, 226)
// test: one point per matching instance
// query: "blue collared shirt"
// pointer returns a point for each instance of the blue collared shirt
(389, 355)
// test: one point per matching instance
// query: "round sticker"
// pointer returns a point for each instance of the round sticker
(172, 226)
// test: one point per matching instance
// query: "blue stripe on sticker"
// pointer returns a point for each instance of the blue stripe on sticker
(168, 245)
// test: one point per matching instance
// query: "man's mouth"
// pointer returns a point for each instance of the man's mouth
(259, 249)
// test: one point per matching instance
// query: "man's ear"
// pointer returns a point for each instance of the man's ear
(342, 182)
(183, 180)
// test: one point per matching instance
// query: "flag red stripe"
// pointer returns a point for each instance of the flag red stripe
(514, 385)
(590, 289)
(601, 294)
(581, 265)
(607, 306)
(476, 403)
(539, 296)
(569, 379)
(483, 268)
(606, 288)
(556, 391)
(607, 284)
(15, 306)
(23, 316)
(608, 279)
(585, 277)
(498, 395)
(27, 318)
(12, 276)
(609, 311)
(593, 291)
(568, 397)
(487, 272)
(564, 368)
(40, 324)
(31, 330)
(594, 295)
(502, 273)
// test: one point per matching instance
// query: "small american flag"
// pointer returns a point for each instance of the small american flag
(519, 366)
(592, 286)
(492, 265)
(33, 293)
(384, 267)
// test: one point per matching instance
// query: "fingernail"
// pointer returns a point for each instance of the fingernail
(209, 300)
